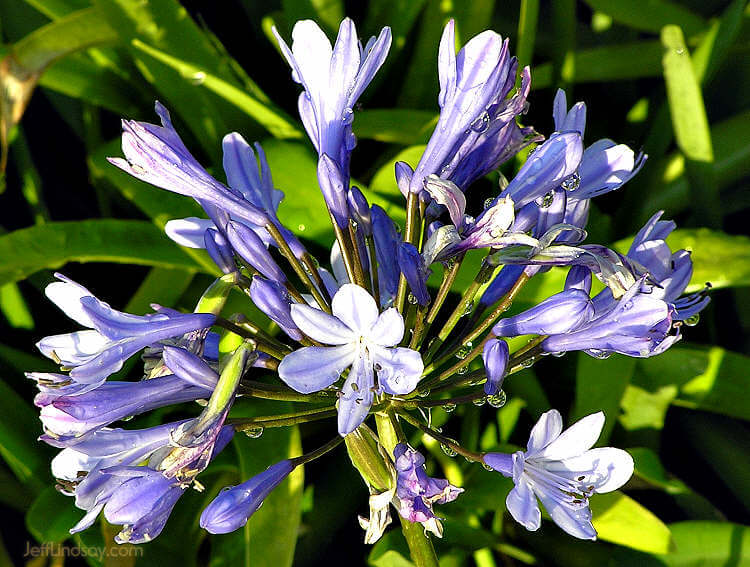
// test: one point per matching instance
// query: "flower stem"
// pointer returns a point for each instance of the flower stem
(371, 251)
(297, 266)
(410, 236)
(319, 452)
(449, 276)
(261, 343)
(420, 546)
(277, 392)
(359, 270)
(281, 420)
(448, 442)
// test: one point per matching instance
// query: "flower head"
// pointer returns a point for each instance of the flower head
(562, 470)
(363, 341)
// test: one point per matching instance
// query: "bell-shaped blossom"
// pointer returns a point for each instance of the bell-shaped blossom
(334, 78)
(362, 340)
(670, 272)
(415, 271)
(234, 505)
(114, 337)
(77, 415)
(561, 470)
(273, 300)
(638, 324)
(157, 155)
(416, 492)
(495, 357)
(251, 249)
(560, 313)
(474, 107)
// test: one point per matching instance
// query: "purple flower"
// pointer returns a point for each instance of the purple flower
(387, 241)
(234, 505)
(416, 492)
(95, 354)
(363, 341)
(495, 357)
(560, 313)
(334, 79)
(77, 415)
(416, 273)
(474, 110)
(272, 299)
(157, 155)
(190, 368)
(563, 472)
(671, 272)
(252, 250)
(219, 249)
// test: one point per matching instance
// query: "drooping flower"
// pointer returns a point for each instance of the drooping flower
(93, 355)
(364, 341)
(562, 470)
(416, 492)
(560, 313)
(233, 506)
(495, 357)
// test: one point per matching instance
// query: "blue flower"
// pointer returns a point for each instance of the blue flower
(364, 342)
(495, 357)
(114, 337)
(416, 492)
(233, 506)
(562, 470)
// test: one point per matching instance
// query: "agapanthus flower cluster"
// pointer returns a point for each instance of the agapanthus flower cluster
(362, 333)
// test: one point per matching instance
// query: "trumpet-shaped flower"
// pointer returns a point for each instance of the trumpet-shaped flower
(363, 341)
(562, 470)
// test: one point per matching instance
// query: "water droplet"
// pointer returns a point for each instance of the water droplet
(463, 370)
(488, 203)
(558, 354)
(301, 227)
(528, 363)
(600, 354)
(497, 400)
(468, 307)
(481, 123)
(448, 450)
(479, 402)
(572, 182)
(628, 305)
(449, 407)
(487, 467)
(693, 320)
(411, 298)
(348, 116)
(198, 78)
(424, 393)
(254, 432)
(532, 151)
(548, 199)
(464, 351)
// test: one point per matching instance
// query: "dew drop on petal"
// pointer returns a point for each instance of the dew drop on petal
(693, 320)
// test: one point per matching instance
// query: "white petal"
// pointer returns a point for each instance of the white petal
(337, 265)
(310, 369)
(88, 520)
(604, 468)
(545, 431)
(69, 462)
(357, 396)
(321, 326)
(188, 232)
(312, 52)
(575, 440)
(67, 296)
(400, 369)
(355, 308)
(73, 348)
(522, 505)
(574, 519)
(388, 329)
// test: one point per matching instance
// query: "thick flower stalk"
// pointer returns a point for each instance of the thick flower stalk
(363, 332)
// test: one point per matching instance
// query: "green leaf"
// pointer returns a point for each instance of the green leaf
(649, 468)
(161, 285)
(527, 22)
(14, 307)
(274, 120)
(51, 516)
(600, 385)
(396, 125)
(709, 544)
(399, 16)
(19, 428)
(714, 47)
(620, 519)
(269, 538)
(384, 180)
(326, 12)
(52, 245)
(649, 15)
(690, 123)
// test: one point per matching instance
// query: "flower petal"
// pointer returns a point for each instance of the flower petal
(388, 329)
(357, 396)
(355, 308)
(188, 232)
(321, 326)
(546, 430)
(522, 505)
(604, 468)
(573, 518)
(399, 369)
(575, 440)
(310, 369)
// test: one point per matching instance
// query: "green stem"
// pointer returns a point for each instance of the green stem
(420, 546)
(281, 420)
(370, 241)
(410, 236)
(319, 452)
(277, 392)
(359, 270)
(447, 441)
